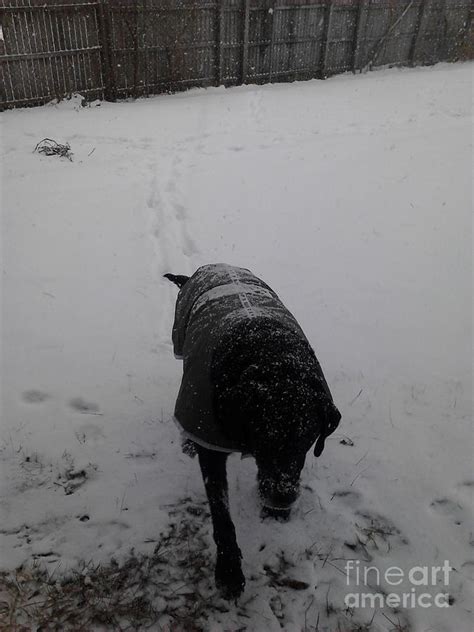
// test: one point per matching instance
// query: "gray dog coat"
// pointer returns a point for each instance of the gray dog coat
(215, 298)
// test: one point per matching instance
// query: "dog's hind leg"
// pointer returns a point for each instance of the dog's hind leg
(228, 572)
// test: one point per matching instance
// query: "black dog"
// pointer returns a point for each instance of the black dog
(251, 384)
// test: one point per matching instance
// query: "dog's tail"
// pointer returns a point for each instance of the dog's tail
(177, 279)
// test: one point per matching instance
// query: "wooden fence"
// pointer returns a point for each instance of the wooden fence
(117, 48)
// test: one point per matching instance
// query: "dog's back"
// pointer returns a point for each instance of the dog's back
(234, 335)
(215, 304)
(263, 370)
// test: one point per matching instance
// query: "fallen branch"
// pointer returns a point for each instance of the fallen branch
(50, 147)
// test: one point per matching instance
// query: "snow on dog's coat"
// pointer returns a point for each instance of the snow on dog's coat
(216, 301)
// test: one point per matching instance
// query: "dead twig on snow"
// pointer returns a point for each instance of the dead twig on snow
(50, 147)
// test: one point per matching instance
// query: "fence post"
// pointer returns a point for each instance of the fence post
(468, 29)
(271, 13)
(416, 34)
(291, 43)
(362, 15)
(145, 19)
(442, 42)
(245, 41)
(326, 41)
(220, 25)
(106, 49)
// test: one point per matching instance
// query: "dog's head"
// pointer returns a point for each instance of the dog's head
(283, 416)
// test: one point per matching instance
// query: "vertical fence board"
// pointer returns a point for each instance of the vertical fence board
(220, 25)
(324, 38)
(271, 24)
(245, 44)
(416, 32)
(327, 39)
(104, 33)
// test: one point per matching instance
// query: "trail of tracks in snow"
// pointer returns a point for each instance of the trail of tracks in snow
(173, 246)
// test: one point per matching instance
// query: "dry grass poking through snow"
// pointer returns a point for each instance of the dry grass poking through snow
(171, 588)
(171, 591)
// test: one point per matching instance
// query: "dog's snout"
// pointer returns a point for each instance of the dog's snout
(278, 496)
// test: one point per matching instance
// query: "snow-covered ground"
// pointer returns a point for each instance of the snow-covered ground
(352, 199)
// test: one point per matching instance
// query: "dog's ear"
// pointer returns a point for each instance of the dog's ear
(177, 279)
(330, 418)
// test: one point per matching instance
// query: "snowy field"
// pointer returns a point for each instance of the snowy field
(352, 199)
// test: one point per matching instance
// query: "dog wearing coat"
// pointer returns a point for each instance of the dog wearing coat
(251, 384)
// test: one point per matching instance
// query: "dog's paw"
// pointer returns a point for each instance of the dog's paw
(229, 577)
(189, 448)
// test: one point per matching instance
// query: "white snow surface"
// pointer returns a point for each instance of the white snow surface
(352, 199)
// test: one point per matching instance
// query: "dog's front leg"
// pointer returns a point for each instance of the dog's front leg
(229, 576)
